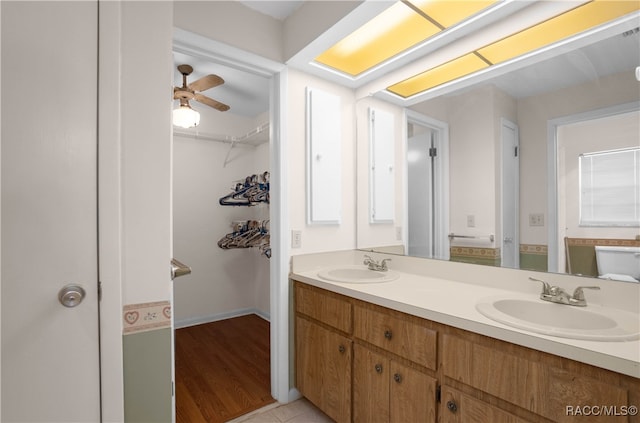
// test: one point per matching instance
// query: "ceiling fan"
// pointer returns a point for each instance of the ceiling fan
(192, 90)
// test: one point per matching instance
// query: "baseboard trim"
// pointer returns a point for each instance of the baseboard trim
(193, 321)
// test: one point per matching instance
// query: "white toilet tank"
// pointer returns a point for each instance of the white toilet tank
(620, 263)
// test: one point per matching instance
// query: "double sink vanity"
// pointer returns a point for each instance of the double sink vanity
(440, 341)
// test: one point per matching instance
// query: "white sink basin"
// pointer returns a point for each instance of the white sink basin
(591, 323)
(357, 274)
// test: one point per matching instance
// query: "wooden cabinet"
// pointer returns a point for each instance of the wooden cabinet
(545, 385)
(324, 351)
(384, 390)
(324, 369)
(403, 365)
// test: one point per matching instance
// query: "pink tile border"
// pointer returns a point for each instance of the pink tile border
(146, 316)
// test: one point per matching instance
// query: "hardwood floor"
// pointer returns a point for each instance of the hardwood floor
(222, 369)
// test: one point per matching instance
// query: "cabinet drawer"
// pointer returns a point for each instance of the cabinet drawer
(460, 408)
(397, 334)
(324, 306)
(541, 388)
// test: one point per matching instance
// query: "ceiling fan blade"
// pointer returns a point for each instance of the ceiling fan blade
(211, 102)
(206, 82)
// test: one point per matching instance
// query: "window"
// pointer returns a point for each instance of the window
(610, 188)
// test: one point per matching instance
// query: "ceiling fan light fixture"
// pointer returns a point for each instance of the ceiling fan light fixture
(185, 117)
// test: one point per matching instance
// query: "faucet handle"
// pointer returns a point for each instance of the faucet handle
(546, 288)
(383, 264)
(367, 259)
(578, 294)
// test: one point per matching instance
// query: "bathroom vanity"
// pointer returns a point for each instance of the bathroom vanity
(392, 352)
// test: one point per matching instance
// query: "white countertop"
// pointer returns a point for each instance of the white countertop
(453, 303)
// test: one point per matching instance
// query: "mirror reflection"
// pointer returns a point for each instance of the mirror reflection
(534, 169)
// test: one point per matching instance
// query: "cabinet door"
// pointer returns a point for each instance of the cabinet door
(460, 408)
(370, 386)
(323, 369)
(412, 395)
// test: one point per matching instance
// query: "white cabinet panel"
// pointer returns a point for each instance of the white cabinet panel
(324, 164)
(382, 173)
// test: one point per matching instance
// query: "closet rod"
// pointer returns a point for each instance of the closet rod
(243, 138)
(223, 138)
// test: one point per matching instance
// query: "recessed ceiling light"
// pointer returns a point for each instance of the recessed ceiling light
(398, 28)
(563, 26)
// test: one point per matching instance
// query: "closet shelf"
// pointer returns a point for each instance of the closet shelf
(255, 137)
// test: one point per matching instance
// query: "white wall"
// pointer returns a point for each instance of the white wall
(146, 150)
(472, 170)
(223, 283)
(232, 23)
(378, 234)
(319, 238)
(534, 113)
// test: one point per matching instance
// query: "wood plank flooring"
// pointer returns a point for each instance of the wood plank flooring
(222, 369)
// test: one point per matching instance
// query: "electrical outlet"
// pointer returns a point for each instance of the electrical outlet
(471, 221)
(398, 233)
(296, 239)
(536, 219)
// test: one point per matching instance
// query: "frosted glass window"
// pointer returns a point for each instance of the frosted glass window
(610, 188)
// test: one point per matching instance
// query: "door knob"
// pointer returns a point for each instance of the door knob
(179, 269)
(71, 295)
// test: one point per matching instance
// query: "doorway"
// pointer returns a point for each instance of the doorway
(557, 187)
(228, 284)
(510, 181)
(427, 195)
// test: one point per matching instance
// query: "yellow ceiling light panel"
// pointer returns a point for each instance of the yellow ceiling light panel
(391, 32)
(449, 71)
(558, 28)
(451, 12)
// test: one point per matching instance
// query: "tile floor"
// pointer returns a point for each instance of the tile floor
(299, 411)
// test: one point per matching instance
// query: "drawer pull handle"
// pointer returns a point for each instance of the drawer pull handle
(342, 349)
(452, 406)
(378, 368)
(397, 377)
(388, 334)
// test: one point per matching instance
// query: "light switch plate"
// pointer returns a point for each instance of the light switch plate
(296, 239)
(536, 219)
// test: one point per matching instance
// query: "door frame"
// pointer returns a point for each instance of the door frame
(553, 243)
(441, 192)
(217, 52)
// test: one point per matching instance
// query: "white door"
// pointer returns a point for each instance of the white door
(50, 360)
(420, 192)
(510, 248)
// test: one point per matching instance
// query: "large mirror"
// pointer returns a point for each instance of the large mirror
(502, 172)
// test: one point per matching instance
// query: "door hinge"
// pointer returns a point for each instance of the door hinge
(99, 291)
(516, 151)
(433, 152)
(438, 393)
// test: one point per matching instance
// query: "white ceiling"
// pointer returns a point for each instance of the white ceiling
(277, 9)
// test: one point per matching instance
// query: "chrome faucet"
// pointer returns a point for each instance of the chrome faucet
(374, 265)
(555, 294)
